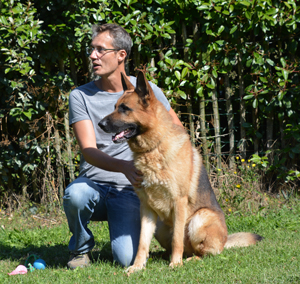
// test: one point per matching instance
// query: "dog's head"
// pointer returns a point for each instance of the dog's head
(132, 114)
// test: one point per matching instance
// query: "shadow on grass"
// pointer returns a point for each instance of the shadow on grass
(105, 254)
(102, 254)
(55, 256)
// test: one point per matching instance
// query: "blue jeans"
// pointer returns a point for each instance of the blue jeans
(85, 200)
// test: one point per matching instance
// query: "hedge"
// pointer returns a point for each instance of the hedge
(229, 68)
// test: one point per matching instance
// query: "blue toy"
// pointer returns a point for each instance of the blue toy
(39, 264)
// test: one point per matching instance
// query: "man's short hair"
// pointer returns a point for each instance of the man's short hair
(120, 38)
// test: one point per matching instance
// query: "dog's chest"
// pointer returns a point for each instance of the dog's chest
(159, 198)
(157, 189)
(156, 175)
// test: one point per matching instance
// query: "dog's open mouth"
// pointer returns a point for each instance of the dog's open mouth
(124, 135)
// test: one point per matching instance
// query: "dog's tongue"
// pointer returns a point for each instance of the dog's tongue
(120, 135)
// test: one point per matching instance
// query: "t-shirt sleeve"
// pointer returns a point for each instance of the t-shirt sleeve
(160, 96)
(77, 107)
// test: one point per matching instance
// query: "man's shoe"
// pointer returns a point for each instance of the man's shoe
(79, 260)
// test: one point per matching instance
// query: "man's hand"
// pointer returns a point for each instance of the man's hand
(132, 173)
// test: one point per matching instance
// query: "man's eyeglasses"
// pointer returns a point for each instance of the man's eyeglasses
(99, 50)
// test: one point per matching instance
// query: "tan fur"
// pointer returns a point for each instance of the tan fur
(242, 240)
(176, 196)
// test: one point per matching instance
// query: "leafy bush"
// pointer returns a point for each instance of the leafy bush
(230, 69)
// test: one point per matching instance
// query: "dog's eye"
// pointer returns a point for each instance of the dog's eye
(124, 108)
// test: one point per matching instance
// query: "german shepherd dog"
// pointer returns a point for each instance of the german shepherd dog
(177, 201)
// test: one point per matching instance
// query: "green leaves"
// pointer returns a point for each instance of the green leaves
(285, 74)
(233, 29)
(39, 53)
(281, 95)
(255, 103)
(248, 97)
(283, 62)
(178, 75)
(271, 62)
(212, 84)
(245, 3)
(221, 29)
(149, 27)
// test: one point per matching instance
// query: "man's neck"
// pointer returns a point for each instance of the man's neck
(110, 84)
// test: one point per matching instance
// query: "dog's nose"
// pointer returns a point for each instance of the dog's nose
(102, 124)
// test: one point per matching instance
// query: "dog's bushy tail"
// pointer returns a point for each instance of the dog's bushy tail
(242, 240)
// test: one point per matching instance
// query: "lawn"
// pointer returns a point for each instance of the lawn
(274, 260)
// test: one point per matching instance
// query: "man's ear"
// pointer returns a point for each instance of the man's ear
(122, 55)
(142, 87)
(126, 83)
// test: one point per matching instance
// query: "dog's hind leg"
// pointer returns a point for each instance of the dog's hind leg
(207, 232)
(148, 224)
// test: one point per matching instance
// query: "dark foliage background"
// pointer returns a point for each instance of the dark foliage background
(229, 68)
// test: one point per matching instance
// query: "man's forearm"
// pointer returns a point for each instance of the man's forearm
(99, 159)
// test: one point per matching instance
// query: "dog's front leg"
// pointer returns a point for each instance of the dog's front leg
(148, 224)
(179, 219)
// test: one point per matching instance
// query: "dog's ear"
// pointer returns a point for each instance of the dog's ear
(142, 87)
(126, 83)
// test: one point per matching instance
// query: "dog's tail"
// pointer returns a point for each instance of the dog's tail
(242, 240)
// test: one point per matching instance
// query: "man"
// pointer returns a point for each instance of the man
(104, 189)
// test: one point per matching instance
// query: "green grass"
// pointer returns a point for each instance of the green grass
(274, 260)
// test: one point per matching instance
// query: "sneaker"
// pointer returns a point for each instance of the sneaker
(79, 260)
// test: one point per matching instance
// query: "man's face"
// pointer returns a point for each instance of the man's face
(106, 63)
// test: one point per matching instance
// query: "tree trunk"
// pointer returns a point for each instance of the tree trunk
(24, 184)
(34, 186)
(59, 166)
(217, 125)
(10, 182)
(69, 146)
(151, 60)
(189, 97)
(86, 67)
(282, 134)
(270, 121)
(61, 65)
(203, 133)
(73, 70)
(242, 145)
(255, 122)
(281, 121)
(46, 187)
(89, 65)
(136, 57)
(160, 53)
(191, 119)
(230, 116)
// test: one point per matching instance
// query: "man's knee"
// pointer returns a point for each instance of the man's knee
(79, 193)
(124, 258)
(123, 251)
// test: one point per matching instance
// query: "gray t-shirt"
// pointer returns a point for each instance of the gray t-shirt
(88, 102)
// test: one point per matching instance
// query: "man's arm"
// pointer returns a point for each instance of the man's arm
(175, 117)
(85, 135)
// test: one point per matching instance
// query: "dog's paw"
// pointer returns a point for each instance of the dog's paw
(195, 257)
(133, 268)
(176, 263)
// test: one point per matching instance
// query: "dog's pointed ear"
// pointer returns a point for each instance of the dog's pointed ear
(142, 84)
(143, 87)
(126, 83)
